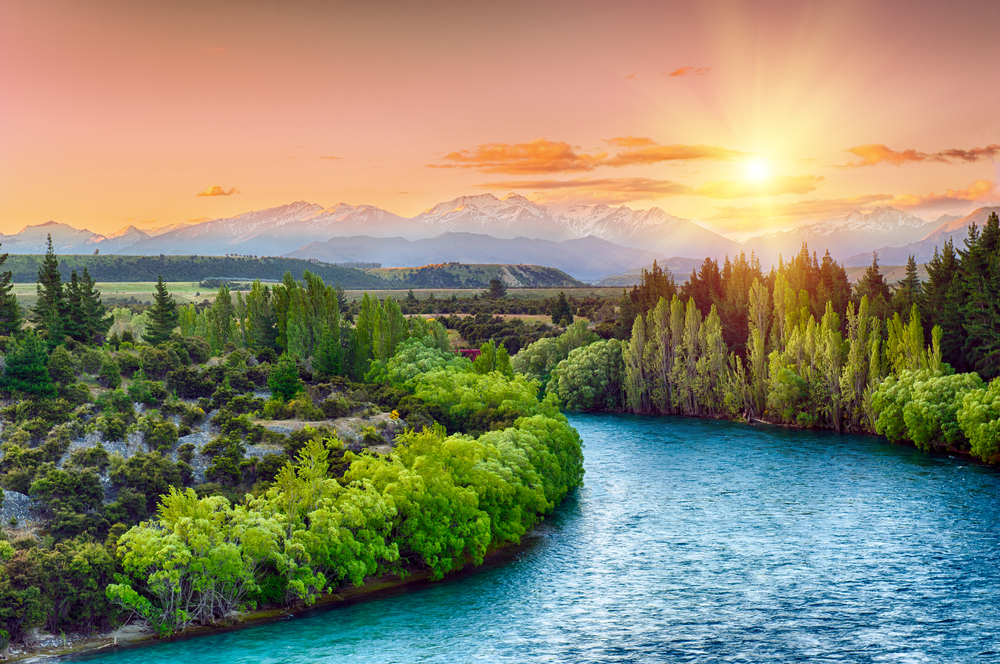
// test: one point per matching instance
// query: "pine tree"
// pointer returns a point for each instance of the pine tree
(10, 310)
(497, 291)
(908, 291)
(26, 370)
(95, 320)
(562, 313)
(73, 322)
(51, 303)
(873, 285)
(163, 315)
(327, 357)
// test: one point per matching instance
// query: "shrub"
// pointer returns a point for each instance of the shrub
(76, 394)
(91, 360)
(198, 349)
(160, 435)
(336, 407)
(190, 383)
(284, 380)
(110, 374)
(61, 368)
(89, 457)
(112, 427)
(128, 363)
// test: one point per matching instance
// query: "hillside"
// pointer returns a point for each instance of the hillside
(457, 275)
(582, 258)
(190, 268)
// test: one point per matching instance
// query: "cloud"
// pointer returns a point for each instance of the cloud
(216, 190)
(689, 71)
(872, 154)
(543, 156)
(655, 154)
(980, 191)
(776, 186)
(197, 220)
(826, 207)
(330, 157)
(632, 76)
(630, 142)
(531, 158)
(595, 190)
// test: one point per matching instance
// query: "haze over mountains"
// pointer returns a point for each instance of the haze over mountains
(585, 241)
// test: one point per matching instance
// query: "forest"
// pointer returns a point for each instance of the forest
(173, 489)
(915, 361)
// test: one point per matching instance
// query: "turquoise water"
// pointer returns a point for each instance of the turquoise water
(699, 541)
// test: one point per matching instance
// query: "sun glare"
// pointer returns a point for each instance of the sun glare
(758, 169)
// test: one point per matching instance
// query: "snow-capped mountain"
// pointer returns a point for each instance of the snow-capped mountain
(121, 239)
(512, 216)
(34, 239)
(944, 229)
(856, 233)
(275, 231)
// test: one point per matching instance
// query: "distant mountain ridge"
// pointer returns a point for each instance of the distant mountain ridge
(300, 227)
(586, 258)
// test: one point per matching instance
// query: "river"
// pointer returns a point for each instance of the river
(691, 541)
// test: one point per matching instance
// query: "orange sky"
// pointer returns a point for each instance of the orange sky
(743, 115)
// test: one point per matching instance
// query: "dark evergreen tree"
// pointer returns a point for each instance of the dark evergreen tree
(562, 313)
(980, 298)
(51, 304)
(873, 285)
(907, 291)
(163, 315)
(284, 379)
(73, 323)
(497, 291)
(95, 321)
(27, 371)
(327, 355)
(10, 310)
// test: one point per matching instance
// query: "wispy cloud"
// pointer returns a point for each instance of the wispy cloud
(216, 190)
(543, 156)
(980, 191)
(530, 158)
(776, 186)
(594, 190)
(655, 154)
(689, 71)
(330, 157)
(872, 154)
(633, 76)
(826, 207)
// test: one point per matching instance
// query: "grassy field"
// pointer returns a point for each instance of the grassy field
(183, 291)
(189, 291)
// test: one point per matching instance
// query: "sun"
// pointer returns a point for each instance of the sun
(758, 169)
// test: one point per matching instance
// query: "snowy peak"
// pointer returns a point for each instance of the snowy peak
(881, 219)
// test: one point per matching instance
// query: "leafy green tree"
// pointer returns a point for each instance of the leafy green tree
(493, 358)
(163, 315)
(931, 414)
(591, 377)
(979, 418)
(26, 368)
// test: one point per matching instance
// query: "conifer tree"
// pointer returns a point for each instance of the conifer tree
(95, 320)
(72, 319)
(562, 313)
(27, 370)
(163, 315)
(51, 304)
(10, 310)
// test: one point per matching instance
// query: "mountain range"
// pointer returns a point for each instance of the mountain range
(484, 228)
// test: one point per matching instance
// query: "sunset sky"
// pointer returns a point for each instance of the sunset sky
(745, 116)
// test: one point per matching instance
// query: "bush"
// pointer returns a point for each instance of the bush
(147, 392)
(160, 435)
(190, 383)
(335, 407)
(158, 362)
(77, 394)
(112, 427)
(284, 380)
(128, 363)
(91, 360)
(61, 368)
(276, 409)
(110, 375)
(198, 349)
(89, 457)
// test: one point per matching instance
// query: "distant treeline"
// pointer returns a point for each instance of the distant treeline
(357, 265)
(191, 268)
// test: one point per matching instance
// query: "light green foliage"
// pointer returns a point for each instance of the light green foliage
(979, 418)
(591, 378)
(931, 415)
(493, 358)
(420, 355)
(538, 359)
(197, 562)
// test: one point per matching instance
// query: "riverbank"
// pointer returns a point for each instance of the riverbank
(130, 637)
